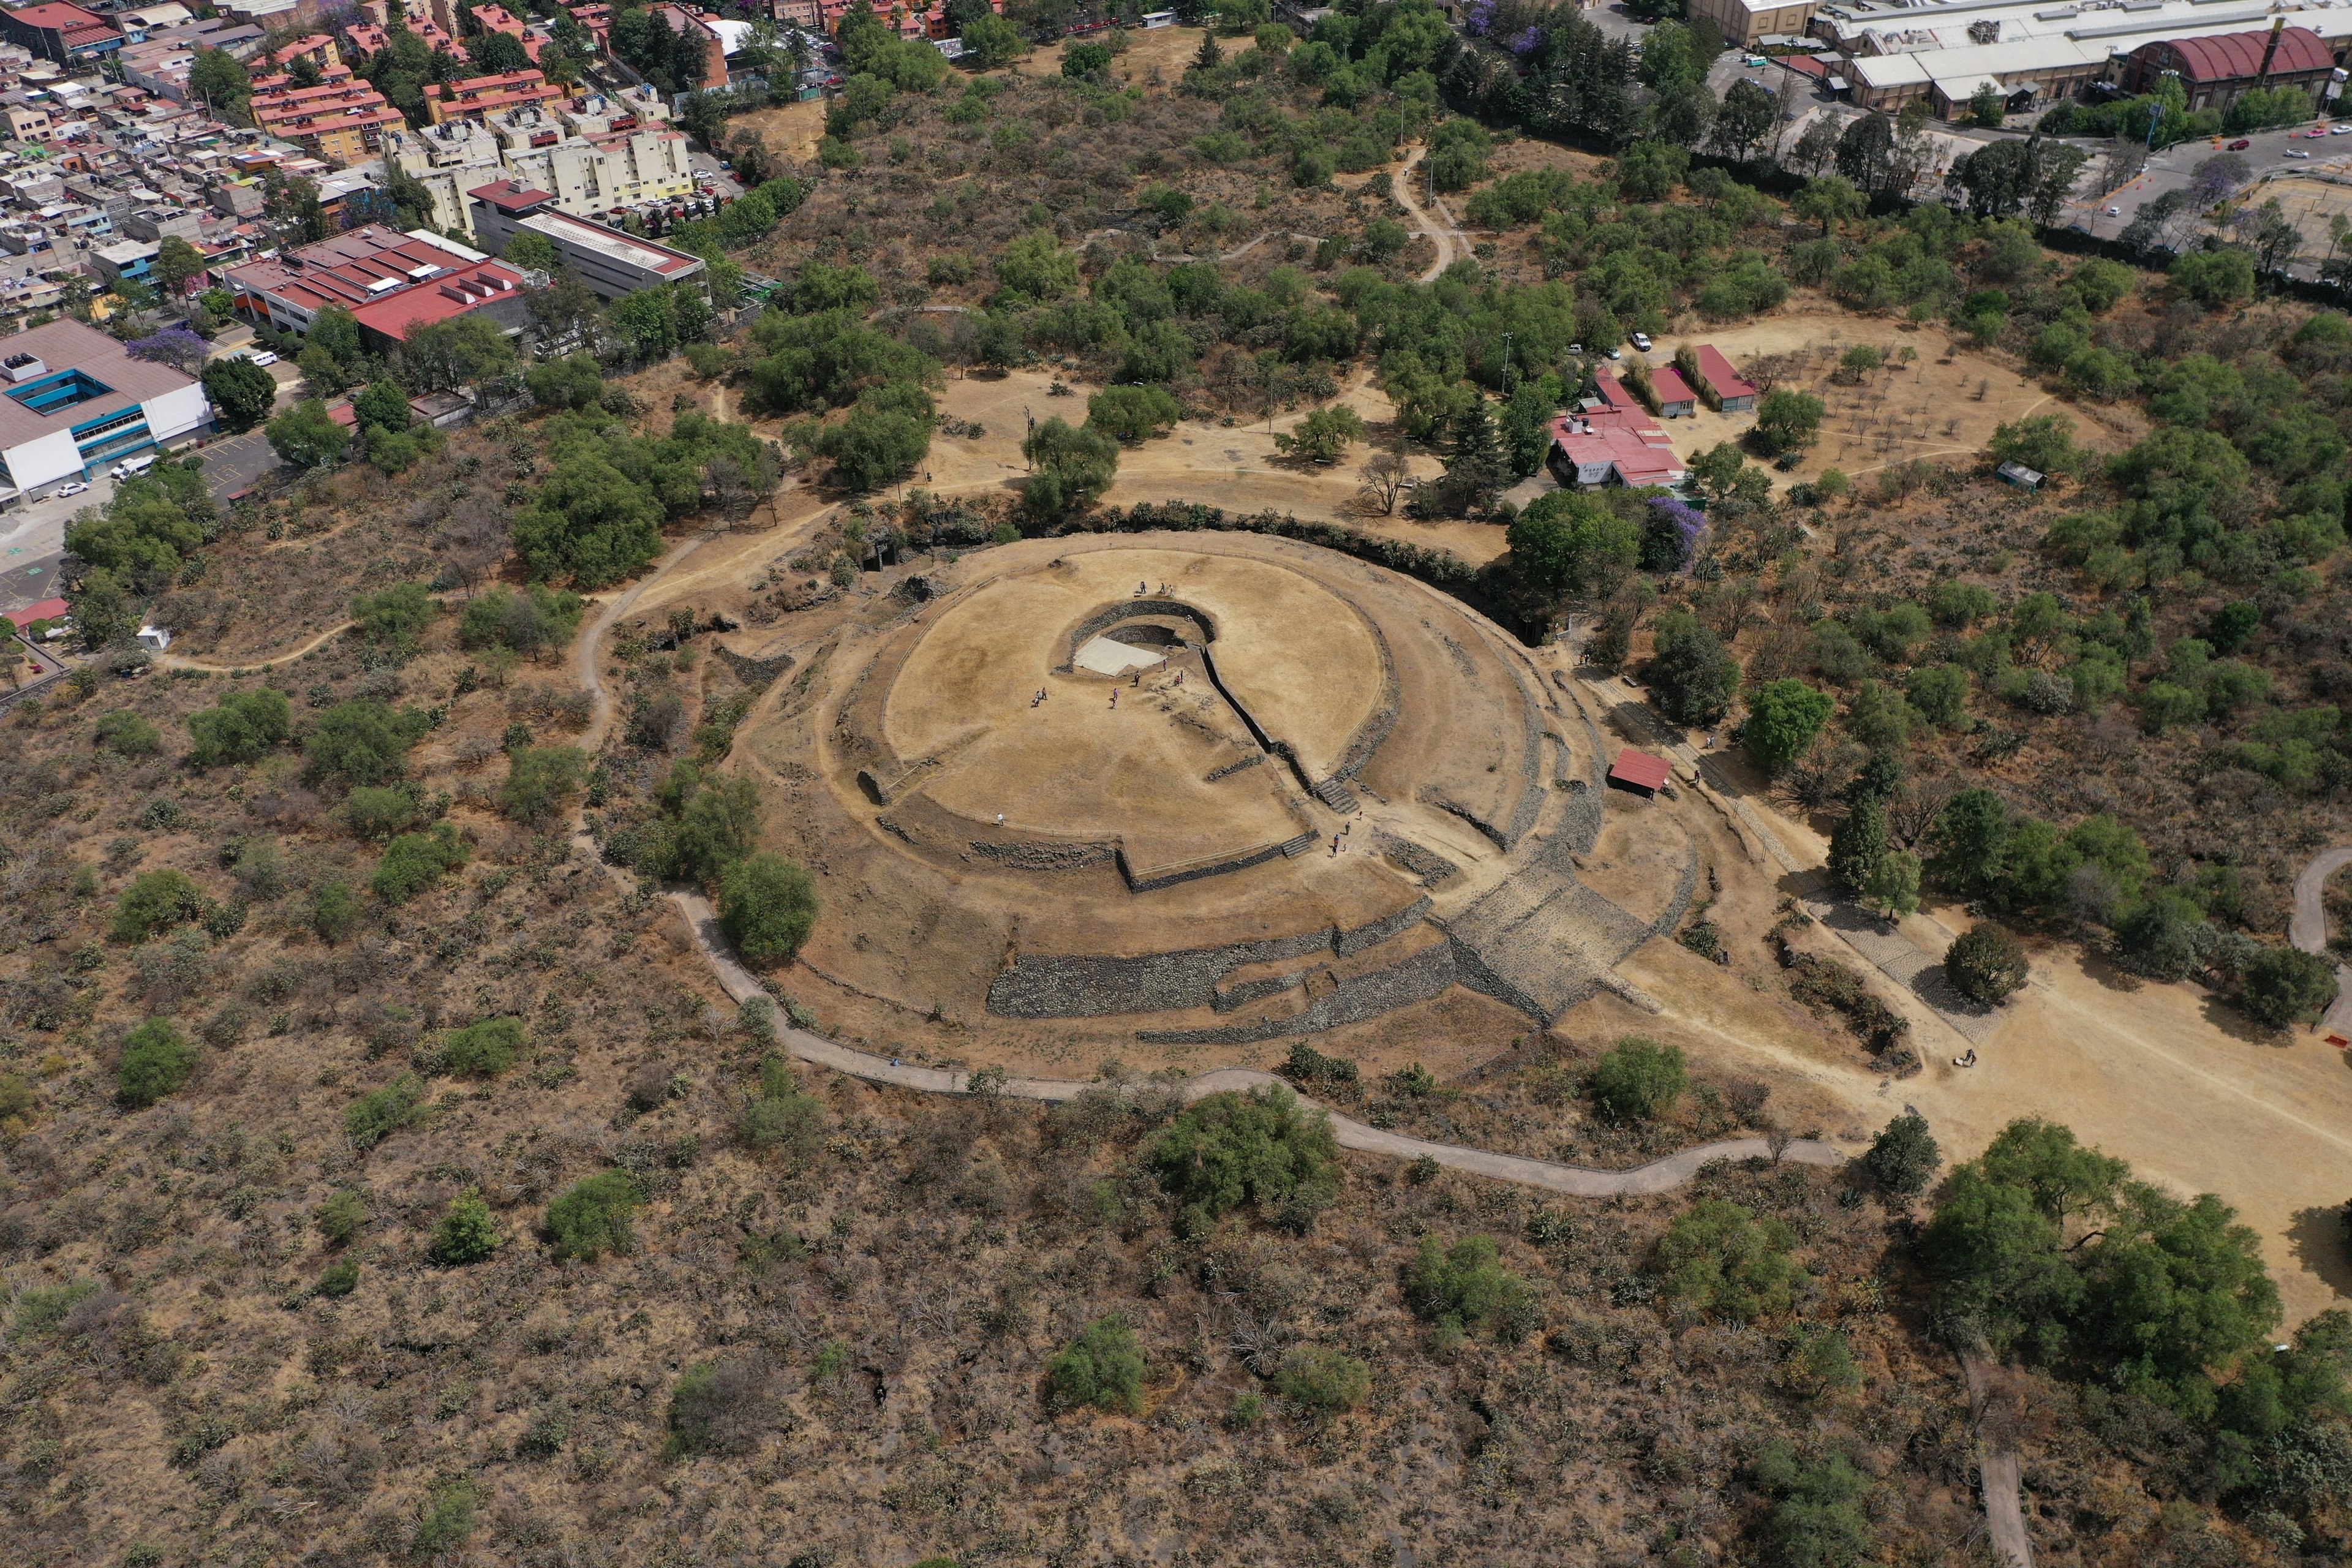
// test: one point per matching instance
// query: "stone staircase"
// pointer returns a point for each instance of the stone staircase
(1335, 795)
(1543, 941)
(1299, 846)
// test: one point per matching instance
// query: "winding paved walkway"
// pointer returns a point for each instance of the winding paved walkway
(2308, 930)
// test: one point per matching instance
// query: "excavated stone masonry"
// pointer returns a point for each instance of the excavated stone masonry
(1044, 857)
(1418, 860)
(1384, 721)
(1423, 975)
(1241, 862)
(754, 671)
(1088, 986)
(1523, 815)
(1232, 768)
(1128, 610)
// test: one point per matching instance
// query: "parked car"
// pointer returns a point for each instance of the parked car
(264, 358)
(2296, 152)
(2317, 131)
(74, 488)
(2340, 130)
(2241, 145)
(2114, 211)
(1641, 341)
(1616, 353)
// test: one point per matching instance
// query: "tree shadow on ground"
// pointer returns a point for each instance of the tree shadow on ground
(2225, 1017)
(2318, 1241)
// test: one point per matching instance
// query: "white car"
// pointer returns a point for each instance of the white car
(1641, 341)
(1616, 353)
(265, 359)
(74, 488)
(2114, 211)
(2296, 152)
(2340, 130)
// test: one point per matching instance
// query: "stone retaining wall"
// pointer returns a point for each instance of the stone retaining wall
(754, 671)
(1088, 985)
(1424, 974)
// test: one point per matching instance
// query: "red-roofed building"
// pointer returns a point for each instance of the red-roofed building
(1676, 399)
(339, 123)
(1639, 772)
(320, 47)
(66, 34)
(1611, 437)
(2218, 71)
(389, 282)
(477, 96)
(1722, 383)
(46, 610)
(499, 20)
(610, 262)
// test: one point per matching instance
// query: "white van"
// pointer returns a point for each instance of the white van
(129, 465)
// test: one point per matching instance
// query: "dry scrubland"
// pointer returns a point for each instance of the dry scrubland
(826, 1335)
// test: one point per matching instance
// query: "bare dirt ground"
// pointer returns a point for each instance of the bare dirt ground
(1943, 405)
(791, 130)
(1152, 58)
(2160, 1073)
(2309, 203)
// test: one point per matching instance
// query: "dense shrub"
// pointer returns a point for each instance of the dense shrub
(363, 742)
(155, 901)
(1724, 1259)
(467, 1234)
(240, 728)
(1903, 1159)
(591, 1217)
(1465, 1288)
(378, 1113)
(780, 1119)
(1638, 1079)
(537, 620)
(767, 907)
(1261, 1147)
(414, 861)
(156, 1062)
(1322, 1380)
(482, 1049)
(1102, 1368)
(126, 734)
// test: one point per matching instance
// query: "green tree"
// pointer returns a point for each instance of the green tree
(590, 522)
(1817, 1519)
(1894, 886)
(1858, 844)
(1565, 543)
(467, 1234)
(767, 907)
(2158, 939)
(156, 903)
(2215, 279)
(1694, 675)
(1786, 419)
(2043, 442)
(1323, 433)
(416, 861)
(362, 741)
(1102, 1367)
(591, 1217)
(1034, 266)
(537, 620)
(1260, 1148)
(305, 437)
(1637, 1079)
(334, 909)
(991, 41)
(1938, 693)
(2281, 986)
(780, 1119)
(1903, 1158)
(1070, 468)
(218, 79)
(1986, 963)
(394, 615)
(240, 392)
(1724, 1259)
(241, 728)
(1829, 201)
(1785, 718)
(542, 781)
(383, 1111)
(157, 1062)
(1132, 414)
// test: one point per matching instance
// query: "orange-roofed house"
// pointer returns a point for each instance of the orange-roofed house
(342, 123)
(1610, 437)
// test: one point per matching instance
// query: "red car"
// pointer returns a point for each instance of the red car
(2239, 145)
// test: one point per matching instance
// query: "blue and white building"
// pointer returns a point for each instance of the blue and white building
(73, 402)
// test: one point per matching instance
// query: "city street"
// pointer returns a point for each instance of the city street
(2170, 169)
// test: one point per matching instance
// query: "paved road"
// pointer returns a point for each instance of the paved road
(2170, 169)
(2308, 931)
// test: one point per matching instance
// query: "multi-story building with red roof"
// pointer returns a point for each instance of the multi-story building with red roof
(342, 123)
(66, 34)
(475, 96)
(391, 282)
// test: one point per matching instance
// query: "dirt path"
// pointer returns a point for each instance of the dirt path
(1997, 1467)
(1400, 183)
(173, 661)
(2308, 929)
(584, 658)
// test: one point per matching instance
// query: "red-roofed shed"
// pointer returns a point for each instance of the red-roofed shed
(1638, 771)
(1731, 394)
(1675, 398)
